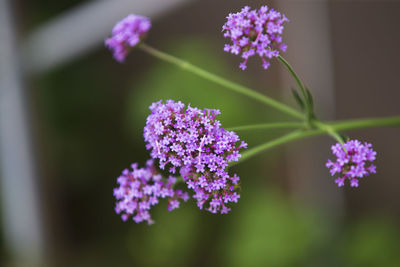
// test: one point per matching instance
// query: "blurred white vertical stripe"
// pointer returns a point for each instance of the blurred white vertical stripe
(19, 197)
(83, 28)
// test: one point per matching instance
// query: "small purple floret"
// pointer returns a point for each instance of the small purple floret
(140, 189)
(354, 161)
(255, 32)
(191, 140)
(126, 34)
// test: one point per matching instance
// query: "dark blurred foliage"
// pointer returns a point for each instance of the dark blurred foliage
(36, 12)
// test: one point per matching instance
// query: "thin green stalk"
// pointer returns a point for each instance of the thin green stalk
(222, 81)
(330, 130)
(294, 74)
(365, 123)
(275, 125)
(261, 148)
(337, 126)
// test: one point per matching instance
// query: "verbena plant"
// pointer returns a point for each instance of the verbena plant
(190, 144)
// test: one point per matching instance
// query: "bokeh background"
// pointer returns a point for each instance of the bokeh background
(71, 118)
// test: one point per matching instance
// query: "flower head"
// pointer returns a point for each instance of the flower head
(255, 32)
(126, 34)
(354, 161)
(191, 141)
(140, 189)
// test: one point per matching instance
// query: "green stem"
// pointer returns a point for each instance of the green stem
(336, 126)
(275, 125)
(294, 74)
(365, 123)
(261, 148)
(221, 81)
(330, 130)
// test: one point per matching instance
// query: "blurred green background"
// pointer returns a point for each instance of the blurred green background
(88, 115)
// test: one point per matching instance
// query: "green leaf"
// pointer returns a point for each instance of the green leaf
(309, 104)
(298, 98)
(309, 99)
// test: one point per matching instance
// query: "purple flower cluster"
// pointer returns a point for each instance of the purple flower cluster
(126, 34)
(141, 188)
(191, 140)
(354, 160)
(255, 32)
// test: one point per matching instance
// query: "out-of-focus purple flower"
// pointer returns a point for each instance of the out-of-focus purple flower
(140, 189)
(126, 34)
(354, 161)
(190, 140)
(255, 32)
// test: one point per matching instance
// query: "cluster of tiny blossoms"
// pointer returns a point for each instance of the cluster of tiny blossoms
(255, 32)
(354, 161)
(191, 140)
(126, 34)
(141, 188)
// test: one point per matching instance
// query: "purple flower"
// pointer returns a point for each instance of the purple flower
(126, 34)
(140, 189)
(198, 148)
(255, 32)
(354, 161)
